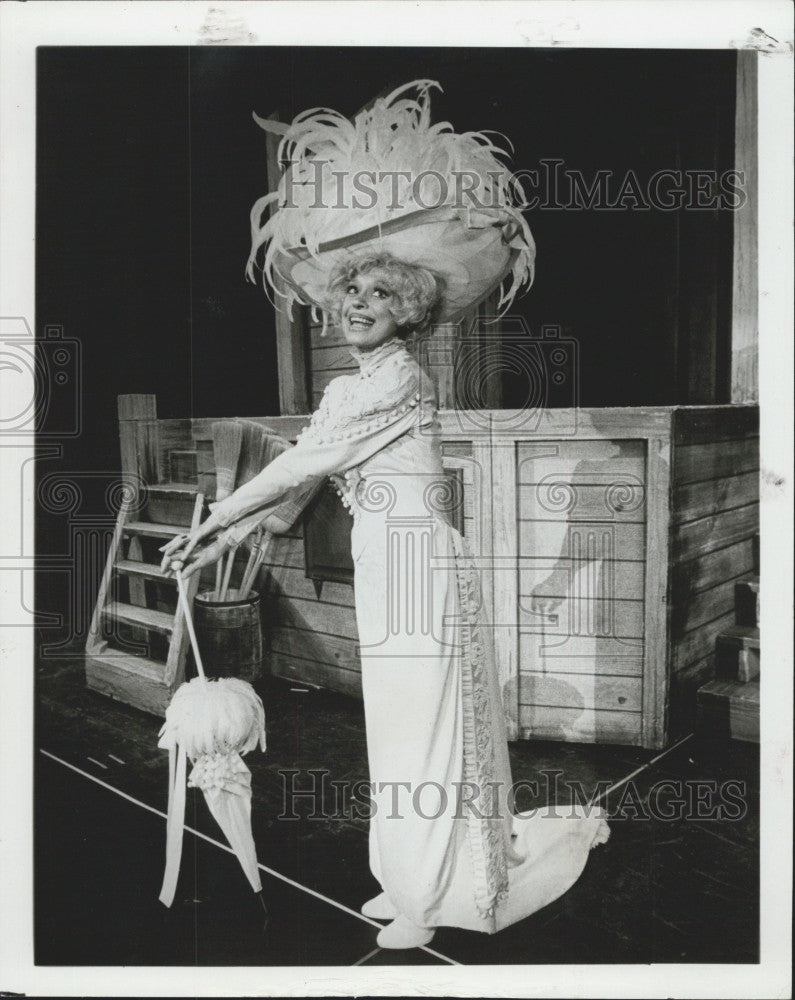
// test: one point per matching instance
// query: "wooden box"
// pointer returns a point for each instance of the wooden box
(633, 531)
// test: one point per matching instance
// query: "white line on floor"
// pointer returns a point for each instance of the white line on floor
(114, 757)
(225, 847)
(671, 748)
(643, 767)
(368, 955)
(98, 763)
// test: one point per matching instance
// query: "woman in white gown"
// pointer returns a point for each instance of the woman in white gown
(444, 844)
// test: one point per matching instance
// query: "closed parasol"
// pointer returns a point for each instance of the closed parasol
(211, 722)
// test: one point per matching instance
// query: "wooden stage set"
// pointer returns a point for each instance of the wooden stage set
(636, 527)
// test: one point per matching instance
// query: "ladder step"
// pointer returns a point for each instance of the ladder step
(153, 530)
(171, 503)
(168, 489)
(138, 666)
(131, 567)
(142, 681)
(131, 614)
(135, 680)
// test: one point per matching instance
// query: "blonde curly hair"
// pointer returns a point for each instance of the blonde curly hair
(416, 290)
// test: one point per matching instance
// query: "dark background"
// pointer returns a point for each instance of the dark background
(148, 162)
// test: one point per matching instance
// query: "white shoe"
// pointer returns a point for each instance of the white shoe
(379, 908)
(402, 933)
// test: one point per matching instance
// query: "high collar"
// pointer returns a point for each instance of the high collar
(368, 361)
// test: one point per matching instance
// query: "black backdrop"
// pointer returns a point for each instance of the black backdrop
(148, 161)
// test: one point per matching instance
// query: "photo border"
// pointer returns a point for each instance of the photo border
(714, 24)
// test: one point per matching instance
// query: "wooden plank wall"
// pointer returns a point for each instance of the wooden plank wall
(582, 548)
(715, 516)
(329, 357)
(308, 638)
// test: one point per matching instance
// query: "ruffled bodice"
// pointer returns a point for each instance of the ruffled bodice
(388, 385)
(389, 382)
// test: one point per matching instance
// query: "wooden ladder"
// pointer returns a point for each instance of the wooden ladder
(141, 681)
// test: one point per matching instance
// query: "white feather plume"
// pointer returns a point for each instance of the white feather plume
(223, 716)
(317, 200)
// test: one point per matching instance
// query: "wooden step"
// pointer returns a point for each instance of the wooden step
(153, 530)
(729, 709)
(737, 654)
(131, 614)
(746, 602)
(171, 503)
(135, 680)
(141, 681)
(132, 567)
(167, 489)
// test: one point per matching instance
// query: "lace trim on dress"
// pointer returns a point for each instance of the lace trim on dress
(486, 827)
(368, 361)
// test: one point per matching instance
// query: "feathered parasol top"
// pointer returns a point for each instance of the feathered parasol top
(391, 181)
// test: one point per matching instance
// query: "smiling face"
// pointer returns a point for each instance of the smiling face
(365, 313)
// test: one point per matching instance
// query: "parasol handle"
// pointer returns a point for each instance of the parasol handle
(183, 600)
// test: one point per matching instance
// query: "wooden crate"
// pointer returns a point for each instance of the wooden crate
(644, 568)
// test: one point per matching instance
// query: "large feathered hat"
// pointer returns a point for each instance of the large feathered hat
(392, 182)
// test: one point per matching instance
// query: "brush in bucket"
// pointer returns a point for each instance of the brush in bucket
(227, 444)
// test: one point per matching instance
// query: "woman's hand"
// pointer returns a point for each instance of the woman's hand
(181, 547)
(188, 554)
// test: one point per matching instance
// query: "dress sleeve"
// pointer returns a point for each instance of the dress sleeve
(352, 423)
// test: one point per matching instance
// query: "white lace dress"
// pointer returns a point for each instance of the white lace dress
(443, 843)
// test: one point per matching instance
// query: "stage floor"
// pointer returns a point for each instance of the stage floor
(668, 886)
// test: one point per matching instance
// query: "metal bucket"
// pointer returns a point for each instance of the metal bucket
(229, 635)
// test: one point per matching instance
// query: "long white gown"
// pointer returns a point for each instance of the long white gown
(443, 843)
